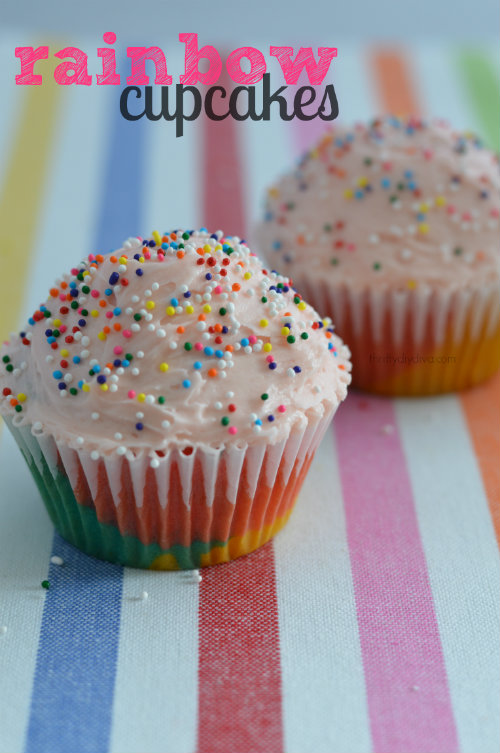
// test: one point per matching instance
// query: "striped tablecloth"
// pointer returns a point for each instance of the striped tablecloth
(371, 622)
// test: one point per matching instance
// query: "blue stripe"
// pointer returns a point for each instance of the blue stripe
(73, 687)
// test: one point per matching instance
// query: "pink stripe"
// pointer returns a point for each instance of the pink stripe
(408, 697)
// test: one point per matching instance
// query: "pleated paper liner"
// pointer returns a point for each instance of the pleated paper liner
(198, 506)
(413, 342)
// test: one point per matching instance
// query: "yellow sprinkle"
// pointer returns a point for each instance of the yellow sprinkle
(267, 347)
(440, 201)
(157, 237)
(301, 305)
(247, 275)
(348, 193)
(101, 336)
(150, 305)
(423, 228)
(207, 248)
(57, 322)
(64, 352)
(263, 322)
(285, 331)
(94, 313)
(218, 247)
(314, 153)
(141, 259)
(189, 309)
(86, 388)
(362, 182)
(170, 310)
(86, 273)
(163, 366)
(411, 284)
(273, 192)
(21, 397)
(207, 308)
(141, 397)
(104, 387)
(423, 208)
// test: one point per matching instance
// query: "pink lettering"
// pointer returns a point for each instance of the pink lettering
(192, 73)
(138, 57)
(292, 69)
(257, 65)
(28, 57)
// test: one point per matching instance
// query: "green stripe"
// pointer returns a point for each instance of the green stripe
(482, 86)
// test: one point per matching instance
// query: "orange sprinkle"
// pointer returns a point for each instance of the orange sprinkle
(180, 254)
(164, 239)
(300, 240)
(113, 259)
(99, 258)
(54, 292)
(212, 372)
(109, 366)
(13, 401)
(180, 330)
(106, 330)
(201, 318)
(218, 327)
(64, 285)
(480, 255)
(229, 348)
(173, 236)
(236, 286)
(117, 326)
(102, 303)
(200, 251)
(69, 297)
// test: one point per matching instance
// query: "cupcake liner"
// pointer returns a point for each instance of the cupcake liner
(189, 507)
(416, 341)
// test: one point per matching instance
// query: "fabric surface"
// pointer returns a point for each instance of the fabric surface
(371, 622)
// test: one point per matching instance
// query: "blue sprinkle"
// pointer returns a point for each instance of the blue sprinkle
(82, 323)
(276, 245)
(273, 365)
(197, 365)
(81, 383)
(76, 359)
(208, 351)
(174, 301)
(358, 193)
(219, 354)
(113, 278)
(258, 422)
(139, 426)
(101, 379)
(270, 418)
(62, 385)
(164, 246)
(117, 363)
(208, 276)
(125, 363)
(187, 294)
(51, 339)
(117, 311)
(57, 374)
(245, 341)
(72, 284)
(108, 291)
(385, 183)
(186, 383)
(297, 369)
(139, 272)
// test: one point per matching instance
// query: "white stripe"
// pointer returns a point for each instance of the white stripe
(70, 208)
(436, 71)
(25, 543)
(174, 172)
(12, 95)
(462, 558)
(324, 697)
(355, 94)
(156, 691)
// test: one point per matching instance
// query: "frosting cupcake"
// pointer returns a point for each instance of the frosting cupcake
(391, 229)
(168, 399)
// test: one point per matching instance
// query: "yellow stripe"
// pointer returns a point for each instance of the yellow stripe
(21, 195)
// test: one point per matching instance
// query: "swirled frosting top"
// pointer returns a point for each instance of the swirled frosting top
(179, 339)
(393, 204)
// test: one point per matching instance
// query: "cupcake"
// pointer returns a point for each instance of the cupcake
(391, 229)
(169, 398)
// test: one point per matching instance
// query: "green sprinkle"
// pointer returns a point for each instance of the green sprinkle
(9, 367)
(327, 228)
(6, 359)
(263, 299)
(188, 346)
(129, 356)
(137, 317)
(73, 391)
(400, 186)
(458, 250)
(74, 304)
(296, 299)
(304, 336)
(55, 333)
(161, 399)
(224, 421)
(47, 314)
(18, 408)
(264, 396)
(368, 161)
(185, 236)
(85, 289)
(393, 199)
(290, 339)
(45, 584)
(377, 266)
(222, 311)
(80, 276)
(84, 313)
(334, 261)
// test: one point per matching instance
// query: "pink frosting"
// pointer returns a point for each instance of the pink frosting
(393, 205)
(222, 351)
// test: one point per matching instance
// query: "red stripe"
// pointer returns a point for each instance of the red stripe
(223, 192)
(240, 675)
(239, 701)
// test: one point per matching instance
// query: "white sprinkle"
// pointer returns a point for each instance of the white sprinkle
(387, 429)
(140, 354)
(94, 455)
(373, 238)
(406, 254)
(37, 426)
(165, 424)
(135, 299)
(150, 399)
(80, 440)
(85, 341)
(55, 560)
(139, 415)
(155, 286)
(144, 596)
(290, 372)
(135, 371)
(218, 405)
(118, 436)
(135, 327)
(172, 345)
(154, 463)
(3, 629)
(121, 450)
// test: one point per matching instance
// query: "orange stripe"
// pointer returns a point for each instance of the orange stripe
(482, 404)
(393, 80)
(482, 410)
